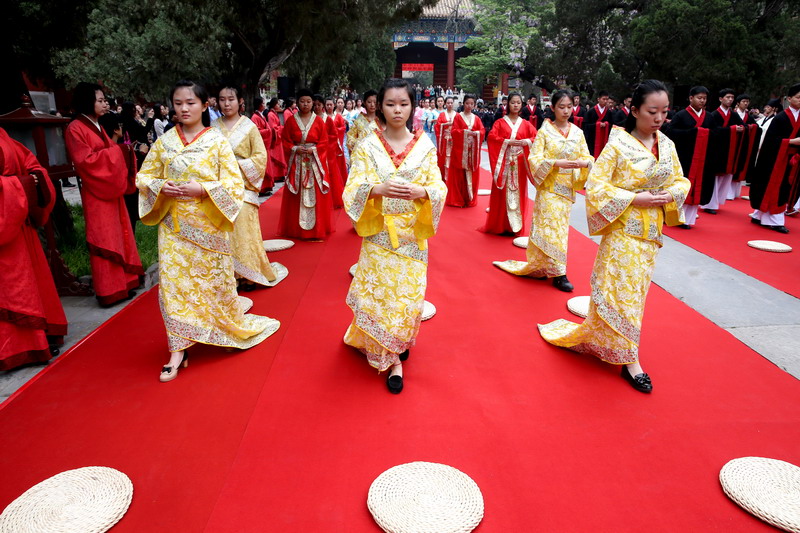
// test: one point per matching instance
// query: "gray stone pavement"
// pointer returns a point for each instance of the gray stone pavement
(762, 317)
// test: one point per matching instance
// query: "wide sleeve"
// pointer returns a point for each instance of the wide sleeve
(153, 205)
(584, 156)
(254, 166)
(539, 161)
(679, 188)
(13, 208)
(354, 133)
(605, 203)
(45, 192)
(226, 194)
(366, 213)
(103, 171)
(457, 134)
(429, 209)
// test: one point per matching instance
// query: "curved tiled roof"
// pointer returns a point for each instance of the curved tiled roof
(447, 8)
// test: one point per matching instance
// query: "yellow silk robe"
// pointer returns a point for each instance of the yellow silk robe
(555, 194)
(197, 287)
(631, 239)
(388, 289)
(360, 129)
(249, 258)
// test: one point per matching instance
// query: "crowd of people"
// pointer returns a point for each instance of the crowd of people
(392, 159)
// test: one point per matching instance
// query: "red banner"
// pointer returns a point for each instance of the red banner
(417, 67)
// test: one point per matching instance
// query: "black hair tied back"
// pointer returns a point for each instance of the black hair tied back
(641, 92)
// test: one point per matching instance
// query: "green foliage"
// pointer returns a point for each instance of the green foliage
(510, 32)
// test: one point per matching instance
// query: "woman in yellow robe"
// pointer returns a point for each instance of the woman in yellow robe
(635, 186)
(559, 165)
(250, 262)
(191, 186)
(364, 123)
(394, 196)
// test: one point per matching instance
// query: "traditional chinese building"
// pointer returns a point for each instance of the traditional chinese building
(435, 41)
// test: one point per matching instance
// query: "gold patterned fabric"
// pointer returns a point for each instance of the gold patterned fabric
(555, 193)
(360, 129)
(197, 288)
(388, 289)
(250, 261)
(626, 257)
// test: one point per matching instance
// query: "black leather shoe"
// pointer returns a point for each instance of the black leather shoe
(755, 221)
(684, 226)
(404, 356)
(710, 211)
(395, 384)
(563, 284)
(640, 382)
(779, 229)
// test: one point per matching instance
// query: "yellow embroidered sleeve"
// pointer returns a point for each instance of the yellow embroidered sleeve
(255, 164)
(605, 203)
(153, 206)
(365, 212)
(679, 188)
(538, 161)
(226, 194)
(429, 209)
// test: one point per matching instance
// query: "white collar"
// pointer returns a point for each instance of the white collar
(96, 124)
(794, 111)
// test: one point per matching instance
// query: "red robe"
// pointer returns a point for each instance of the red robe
(444, 143)
(316, 169)
(336, 181)
(465, 159)
(497, 218)
(267, 136)
(30, 310)
(107, 171)
(276, 169)
(341, 130)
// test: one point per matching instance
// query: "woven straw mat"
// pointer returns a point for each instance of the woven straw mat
(425, 498)
(579, 306)
(276, 245)
(521, 242)
(767, 488)
(84, 500)
(770, 246)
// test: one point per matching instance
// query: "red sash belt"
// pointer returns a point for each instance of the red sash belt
(698, 165)
(601, 131)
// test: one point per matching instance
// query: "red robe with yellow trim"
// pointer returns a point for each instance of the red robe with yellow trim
(465, 162)
(107, 172)
(298, 173)
(30, 310)
(497, 218)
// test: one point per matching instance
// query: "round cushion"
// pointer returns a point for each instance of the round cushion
(770, 246)
(767, 488)
(579, 306)
(428, 310)
(84, 500)
(425, 497)
(353, 269)
(276, 245)
(484, 192)
(521, 242)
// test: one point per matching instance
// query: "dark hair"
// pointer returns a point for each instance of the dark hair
(395, 83)
(257, 101)
(229, 88)
(128, 111)
(602, 94)
(199, 91)
(470, 95)
(318, 98)
(304, 92)
(272, 103)
(641, 92)
(370, 92)
(83, 98)
(157, 112)
(743, 96)
(290, 102)
(110, 122)
(725, 92)
(793, 90)
(558, 95)
(776, 103)
(698, 89)
(330, 98)
(510, 96)
(449, 98)
(531, 96)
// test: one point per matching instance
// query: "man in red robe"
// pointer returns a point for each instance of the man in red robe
(31, 316)
(597, 125)
(690, 129)
(776, 180)
(267, 136)
(107, 172)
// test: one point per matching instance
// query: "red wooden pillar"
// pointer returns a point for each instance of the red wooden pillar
(451, 65)
(504, 83)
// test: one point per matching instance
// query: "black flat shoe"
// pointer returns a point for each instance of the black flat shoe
(404, 356)
(755, 221)
(640, 382)
(563, 284)
(710, 211)
(684, 226)
(395, 384)
(779, 229)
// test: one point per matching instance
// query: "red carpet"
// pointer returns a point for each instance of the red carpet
(288, 436)
(724, 237)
